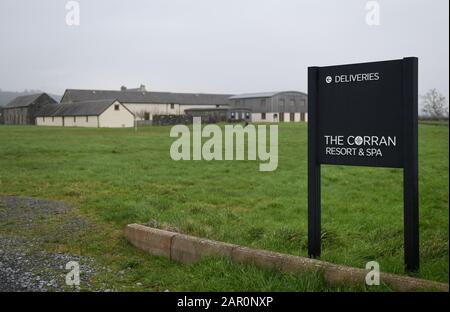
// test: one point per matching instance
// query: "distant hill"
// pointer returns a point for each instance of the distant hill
(8, 96)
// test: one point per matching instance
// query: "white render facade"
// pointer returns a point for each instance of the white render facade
(113, 118)
(275, 117)
(112, 114)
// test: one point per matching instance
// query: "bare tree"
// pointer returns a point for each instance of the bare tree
(140, 114)
(435, 105)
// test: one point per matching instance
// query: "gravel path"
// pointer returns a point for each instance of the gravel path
(24, 265)
(22, 269)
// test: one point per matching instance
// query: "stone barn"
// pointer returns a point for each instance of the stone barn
(286, 106)
(23, 109)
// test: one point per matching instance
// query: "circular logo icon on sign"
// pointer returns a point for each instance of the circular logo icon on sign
(328, 79)
(358, 140)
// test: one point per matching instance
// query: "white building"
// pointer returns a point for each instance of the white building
(144, 104)
(100, 114)
(94, 108)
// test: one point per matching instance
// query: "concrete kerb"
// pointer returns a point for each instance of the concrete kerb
(154, 241)
(189, 249)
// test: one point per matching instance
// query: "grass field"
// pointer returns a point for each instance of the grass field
(116, 176)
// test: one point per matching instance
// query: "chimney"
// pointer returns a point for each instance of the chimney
(123, 88)
(142, 88)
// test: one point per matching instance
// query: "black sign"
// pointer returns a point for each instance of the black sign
(364, 115)
(360, 114)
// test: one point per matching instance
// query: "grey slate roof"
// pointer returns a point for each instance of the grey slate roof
(48, 110)
(87, 108)
(24, 100)
(74, 95)
(259, 95)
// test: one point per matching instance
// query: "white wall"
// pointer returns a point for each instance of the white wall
(184, 107)
(49, 121)
(112, 118)
(138, 109)
(80, 121)
(256, 117)
(40, 121)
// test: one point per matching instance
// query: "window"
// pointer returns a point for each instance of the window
(263, 116)
(74, 119)
(116, 107)
(43, 119)
(172, 106)
(302, 116)
(53, 118)
(247, 115)
(87, 118)
(146, 116)
(217, 106)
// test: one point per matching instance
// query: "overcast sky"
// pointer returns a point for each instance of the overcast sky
(226, 46)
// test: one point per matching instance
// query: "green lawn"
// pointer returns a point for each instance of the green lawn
(116, 176)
